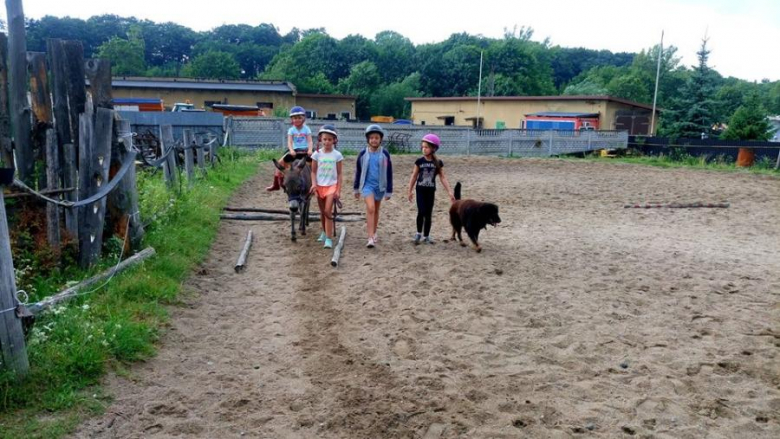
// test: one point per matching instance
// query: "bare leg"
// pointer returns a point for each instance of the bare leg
(371, 213)
(376, 215)
(323, 222)
(326, 207)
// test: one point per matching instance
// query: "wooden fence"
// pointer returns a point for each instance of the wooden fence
(66, 151)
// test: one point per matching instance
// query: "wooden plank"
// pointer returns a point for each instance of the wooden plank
(189, 165)
(74, 86)
(6, 149)
(334, 262)
(201, 156)
(279, 211)
(56, 55)
(69, 293)
(123, 200)
(169, 168)
(17, 83)
(241, 263)
(98, 72)
(43, 192)
(96, 164)
(41, 108)
(13, 352)
(52, 183)
(70, 179)
(271, 217)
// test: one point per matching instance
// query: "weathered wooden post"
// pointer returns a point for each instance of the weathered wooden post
(189, 165)
(52, 183)
(44, 139)
(6, 150)
(123, 201)
(94, 172)
(168, 149)
(201, 154)
(17, 81)
(12, 348)
(98, 72)
(76, 97)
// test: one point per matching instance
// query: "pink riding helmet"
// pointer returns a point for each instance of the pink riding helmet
(433, 140)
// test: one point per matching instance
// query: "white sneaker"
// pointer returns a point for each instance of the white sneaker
(417, 238)
(371, 243)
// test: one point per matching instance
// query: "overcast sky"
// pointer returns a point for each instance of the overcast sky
(744, 34)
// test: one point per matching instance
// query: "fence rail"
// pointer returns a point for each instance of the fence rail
(272, 132)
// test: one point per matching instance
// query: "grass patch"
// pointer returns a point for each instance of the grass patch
(72, 346)
(764, 166)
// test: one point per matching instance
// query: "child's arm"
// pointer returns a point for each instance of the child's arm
(415, 171)
(446, 184)
(389, 192)
(313, 176)
(290, 145)
(358, 166)
(338, 178)
(309, 142)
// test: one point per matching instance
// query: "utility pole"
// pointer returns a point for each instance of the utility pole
(657, 75)
(479, 89)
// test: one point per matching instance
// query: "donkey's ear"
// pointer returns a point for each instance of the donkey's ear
(278, 166)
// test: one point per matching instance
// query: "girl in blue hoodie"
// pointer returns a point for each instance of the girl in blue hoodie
(373, 179)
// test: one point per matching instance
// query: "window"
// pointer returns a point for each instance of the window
(449, 120)
(422, 122)
(345, 115)
(265, 105)
(311, 114)
(331, 116)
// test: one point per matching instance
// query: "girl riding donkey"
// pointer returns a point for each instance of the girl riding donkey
(326, 179)
(299, 145)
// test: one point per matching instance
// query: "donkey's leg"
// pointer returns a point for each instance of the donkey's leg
(292, 226)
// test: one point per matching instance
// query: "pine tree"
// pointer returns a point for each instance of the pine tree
(693, 113)
(749, 122)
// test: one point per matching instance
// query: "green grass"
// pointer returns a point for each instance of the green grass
(71, 347)
(764, 166)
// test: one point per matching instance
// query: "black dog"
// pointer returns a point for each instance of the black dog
(473, 216)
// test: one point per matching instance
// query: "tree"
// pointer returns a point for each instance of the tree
(362, 81)
(749, 122)
(394, 55)
(390, 99)
(693, 113)
(213, 65)
(126, 55)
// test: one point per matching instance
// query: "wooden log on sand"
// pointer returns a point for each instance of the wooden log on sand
(337, 251)
(241, 263)
(272, 217)
(676, 205)
(279, 211)
(74, 290)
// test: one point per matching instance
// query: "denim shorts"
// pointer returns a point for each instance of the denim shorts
(368, 190)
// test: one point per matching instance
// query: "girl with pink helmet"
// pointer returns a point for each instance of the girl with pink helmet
(426, 169)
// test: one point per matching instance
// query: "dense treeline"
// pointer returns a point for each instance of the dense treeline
(383, 70)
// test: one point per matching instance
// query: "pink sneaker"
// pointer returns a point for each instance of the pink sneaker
(370, 243)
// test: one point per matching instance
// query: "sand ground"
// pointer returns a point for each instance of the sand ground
(579, 319)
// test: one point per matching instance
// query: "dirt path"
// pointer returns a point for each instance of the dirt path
(580, 318)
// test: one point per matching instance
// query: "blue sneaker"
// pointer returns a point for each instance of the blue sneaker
(417, 238)
(328, 243)
(322, 237)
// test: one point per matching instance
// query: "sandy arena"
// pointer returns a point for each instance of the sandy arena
(580, 318)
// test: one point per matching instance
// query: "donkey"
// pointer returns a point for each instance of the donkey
(297, 184)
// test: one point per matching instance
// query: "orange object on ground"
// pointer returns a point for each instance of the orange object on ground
(746, 157)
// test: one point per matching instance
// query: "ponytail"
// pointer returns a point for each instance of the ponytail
(436, 163)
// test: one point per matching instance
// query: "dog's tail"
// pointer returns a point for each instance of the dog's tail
(457, 191)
